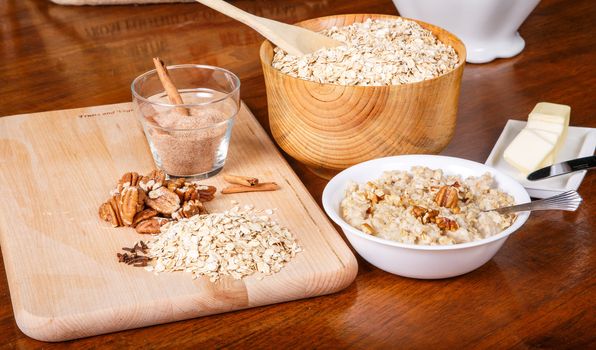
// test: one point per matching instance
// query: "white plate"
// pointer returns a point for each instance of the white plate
(580, 143)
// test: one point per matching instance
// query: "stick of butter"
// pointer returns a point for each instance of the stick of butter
(537, 145)
(551, 117)
(551, 113)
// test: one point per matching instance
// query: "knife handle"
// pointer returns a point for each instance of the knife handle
(563, 168)
(583, 163)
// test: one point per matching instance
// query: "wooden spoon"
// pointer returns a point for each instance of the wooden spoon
(294, 40)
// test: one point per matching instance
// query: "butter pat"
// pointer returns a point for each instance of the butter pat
(556, 128)
(552, 137)
(528, 151)
(551, 113)
(551, 117)
(538, 143)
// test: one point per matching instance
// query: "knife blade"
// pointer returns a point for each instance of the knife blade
(563, 168)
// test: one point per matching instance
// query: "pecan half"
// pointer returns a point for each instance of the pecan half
(430, 216)
(447, 197)
(132, 200)
(206, 189)
(110, 211)
(127, 180)
(187, 192)
(191, 194)
(143, 215)
(163, 200)
(189, 209)
(152, 181)
(424, 215)
(174, 184)
(446, 224)
(150, 226)
(206, 193)
(418, 211)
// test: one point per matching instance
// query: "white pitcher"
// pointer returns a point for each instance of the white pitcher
(488, 28)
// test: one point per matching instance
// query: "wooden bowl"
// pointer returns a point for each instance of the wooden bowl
(331, 127)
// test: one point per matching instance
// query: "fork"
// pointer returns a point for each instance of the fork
(568, 200)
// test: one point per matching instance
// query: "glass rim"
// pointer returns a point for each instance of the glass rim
(182, 66)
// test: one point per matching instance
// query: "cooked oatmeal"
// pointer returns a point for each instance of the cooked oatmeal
(424, 206)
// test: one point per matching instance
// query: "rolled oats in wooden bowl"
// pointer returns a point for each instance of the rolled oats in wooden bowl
(392, 89)
(377, 52)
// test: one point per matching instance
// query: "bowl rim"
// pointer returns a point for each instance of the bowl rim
(328, 206)
(458, 67)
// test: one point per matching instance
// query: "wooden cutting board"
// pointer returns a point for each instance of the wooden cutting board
(56, 168)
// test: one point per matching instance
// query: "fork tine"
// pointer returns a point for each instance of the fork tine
(568, 200)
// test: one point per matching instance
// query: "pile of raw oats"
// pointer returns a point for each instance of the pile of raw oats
(236, 243)
(377, 52)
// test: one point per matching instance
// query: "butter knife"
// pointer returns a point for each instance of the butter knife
(563, 168)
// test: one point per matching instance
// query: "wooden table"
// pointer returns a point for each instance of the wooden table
(539, 291)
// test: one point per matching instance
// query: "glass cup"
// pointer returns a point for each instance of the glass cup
(188, 140)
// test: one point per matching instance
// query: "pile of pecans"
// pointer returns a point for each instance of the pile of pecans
(148, 202)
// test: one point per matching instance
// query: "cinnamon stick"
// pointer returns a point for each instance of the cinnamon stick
(265, 186)
(241, 180)
(168, 85)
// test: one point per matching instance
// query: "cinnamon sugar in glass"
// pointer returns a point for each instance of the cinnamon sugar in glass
(193, 145)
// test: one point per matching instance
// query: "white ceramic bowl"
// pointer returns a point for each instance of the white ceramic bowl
(488, 28)
(420, 261)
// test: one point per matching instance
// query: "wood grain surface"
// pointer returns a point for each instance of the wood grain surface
(330, 127)
(60, 167)
(538, 291)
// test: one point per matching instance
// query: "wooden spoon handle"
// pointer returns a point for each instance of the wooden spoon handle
(294, 40)
(235, 13)
(274, 31)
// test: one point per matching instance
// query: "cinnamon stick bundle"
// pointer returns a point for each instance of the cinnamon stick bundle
(241, 180)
